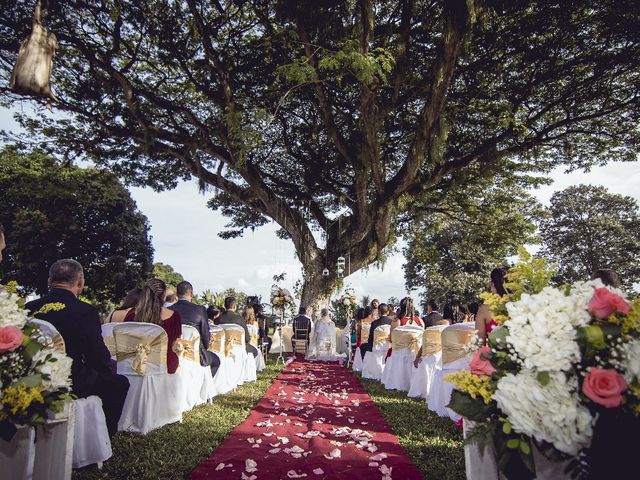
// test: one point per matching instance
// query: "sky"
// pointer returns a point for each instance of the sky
(184, 235)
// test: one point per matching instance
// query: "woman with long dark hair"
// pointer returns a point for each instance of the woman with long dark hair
(130, 301)
(149, 309)
(484, 319)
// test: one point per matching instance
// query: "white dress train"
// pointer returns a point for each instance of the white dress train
(322, 342)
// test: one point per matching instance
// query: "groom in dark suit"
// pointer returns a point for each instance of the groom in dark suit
(231, 317)
(300, 323)
(79, 324)
(195, 316)
(384, 319)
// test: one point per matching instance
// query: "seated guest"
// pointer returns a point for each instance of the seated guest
(170, 297)
(150, 310)
(302, 325)
(131, 300)
(609, 277)
(213, 314)
(432, 314)
(195, 316)
(79, 324)
(384, 319)
(231, 317)
(366, 317)
(263, 326)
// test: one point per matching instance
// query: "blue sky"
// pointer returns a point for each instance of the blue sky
(185, 231)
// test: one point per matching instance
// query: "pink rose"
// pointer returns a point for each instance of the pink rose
(10, 338)
(478, 365)
(604, 302)
(604, 386)
(491, 324)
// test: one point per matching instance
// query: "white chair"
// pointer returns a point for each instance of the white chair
(244, 364)
(254, 336)
(224, 380)
(196, 379)
(155, 397)
(405, 342)
(91, 443)
(107, 336)
(373, 363)
(422, 376)
(357, 357)
(455, 339)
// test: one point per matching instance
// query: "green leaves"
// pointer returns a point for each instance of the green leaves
(543, 378)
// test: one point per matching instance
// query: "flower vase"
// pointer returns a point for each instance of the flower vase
(484, 466)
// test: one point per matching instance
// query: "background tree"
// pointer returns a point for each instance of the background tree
(589, 228)
(167, 274)
(52, 210)
(454, 244)
(330, 117)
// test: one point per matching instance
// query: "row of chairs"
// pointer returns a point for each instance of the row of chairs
(155, 397)
(444, 351)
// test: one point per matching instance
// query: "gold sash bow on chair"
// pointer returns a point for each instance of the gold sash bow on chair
(454, 343)
(110, 342)
(442, 322)
(253, 339)
(431, 342)
(233, 338)
(142, 348)
(216, 342)
(186, 348)
(404, 339)
(380, 336)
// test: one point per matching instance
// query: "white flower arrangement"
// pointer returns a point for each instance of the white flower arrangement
(550, 413)
(10, 312)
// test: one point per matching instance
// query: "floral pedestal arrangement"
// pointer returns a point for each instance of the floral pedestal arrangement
(35, 400)
(558, 380)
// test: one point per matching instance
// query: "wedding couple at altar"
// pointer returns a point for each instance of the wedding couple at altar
(321, 336)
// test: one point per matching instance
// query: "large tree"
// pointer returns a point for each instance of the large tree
(52, 211)
(453, 245)
(167, 274)
(589, 228)
(329, 117)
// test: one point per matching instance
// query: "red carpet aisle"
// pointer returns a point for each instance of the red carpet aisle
(314, 422)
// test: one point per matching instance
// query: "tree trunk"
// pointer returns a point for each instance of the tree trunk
(316, 294)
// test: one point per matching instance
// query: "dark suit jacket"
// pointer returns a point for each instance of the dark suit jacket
(301, 322)
(231, 317)
(196, 316)
(79, 325)
(375, 324)
(431, 319)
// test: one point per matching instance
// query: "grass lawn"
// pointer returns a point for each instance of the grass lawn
(171, 452)
(433, 443)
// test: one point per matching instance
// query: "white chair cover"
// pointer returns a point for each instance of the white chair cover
(278, 344)
(322, 342)
(422, 377)
(225, 379)
(254, 333)
(373, 363)
(107, 336)
(397, 371)
(91, 442)
(155, 397)
(196, 379)
(357, 357)
(440, 391)
(244, 364)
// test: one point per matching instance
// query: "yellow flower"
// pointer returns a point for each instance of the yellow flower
(474, 385)
(19, 398)
(496, 304)
(50, 307)
(630, 321)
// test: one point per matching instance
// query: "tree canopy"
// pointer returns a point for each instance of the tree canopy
(328, 117)
(52, 210)
(589, 228)
(167, 274)
(450, 253)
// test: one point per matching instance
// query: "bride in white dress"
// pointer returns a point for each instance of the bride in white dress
(322, 343)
